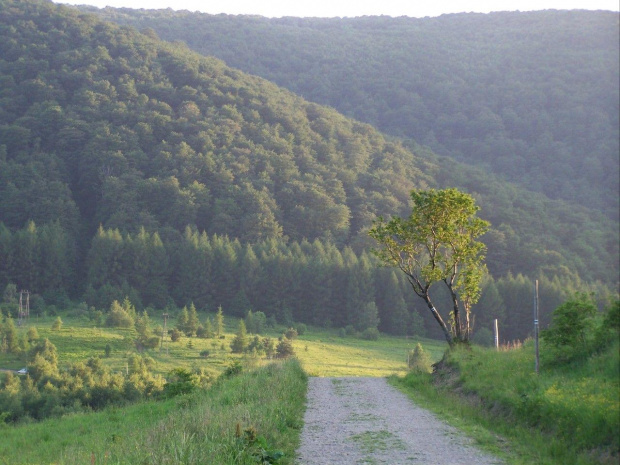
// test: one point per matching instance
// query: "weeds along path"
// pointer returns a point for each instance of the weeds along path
(351, 421)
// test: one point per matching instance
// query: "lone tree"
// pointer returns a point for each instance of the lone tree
(437, 244)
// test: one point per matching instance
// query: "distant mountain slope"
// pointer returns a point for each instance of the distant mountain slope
(532, 96)
(102, 125)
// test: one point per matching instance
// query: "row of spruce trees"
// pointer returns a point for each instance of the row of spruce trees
(310, 282)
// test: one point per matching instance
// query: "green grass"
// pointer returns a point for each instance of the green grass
(565, 415)
(196, 429)
(321, 352)
(324, 353)
(201, 428)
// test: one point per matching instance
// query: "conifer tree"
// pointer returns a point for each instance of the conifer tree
(192, 320)
(219, 322)
(183, 320)
(240, 342)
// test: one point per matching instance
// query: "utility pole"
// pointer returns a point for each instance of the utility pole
(536, 325)
(496, 332)
(164, 334)
(24, 307)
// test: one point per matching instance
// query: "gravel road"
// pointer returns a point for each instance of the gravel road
(351, 421)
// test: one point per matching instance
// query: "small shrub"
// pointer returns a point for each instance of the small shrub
(418, 360)
(484, 337)
(180, 381)
(175, 335)
(119, 317)
(151, 343)
(201, 332)
(205, 353)
(32, 334)
(571, 331)
(350, 330)
(284, 348)
(370, 334)
(301, 329)
(291, 333)
(57, 324)
(233, 368)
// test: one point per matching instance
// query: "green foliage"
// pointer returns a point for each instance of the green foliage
(370, 334)
(120, 316)
(285, 349)
(180, 381)
(239, 343)
(175, 335)
(234, 368)
(566, 415)
(32, 334)
(437, 244)
(450, 108)
(571, 333)
(256, 322)
(418, 360)
(168, 140)
(162, 431)
(219, 322)
(57, 325)
(484, 337)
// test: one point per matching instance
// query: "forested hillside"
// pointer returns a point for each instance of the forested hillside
(134, 167)
(531, 96)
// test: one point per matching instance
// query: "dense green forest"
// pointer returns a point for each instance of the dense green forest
(530, 96)
(134, 167)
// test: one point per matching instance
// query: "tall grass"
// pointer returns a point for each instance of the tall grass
(234, 422)
(565, 415)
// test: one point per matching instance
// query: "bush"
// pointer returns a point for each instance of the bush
(175, 335)
(201, 332)
(291, 333)
(57, 324)
(484, 337)
(418, 360)
(571, 331)
(119, 317)
(284, 348)
(370, 334)
(180, 381)
(233, 368)
(301, 329)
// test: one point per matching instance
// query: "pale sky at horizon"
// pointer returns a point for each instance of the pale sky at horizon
(342, 8)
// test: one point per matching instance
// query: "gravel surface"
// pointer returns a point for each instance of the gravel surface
(352, 421)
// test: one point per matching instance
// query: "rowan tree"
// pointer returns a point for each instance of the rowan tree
(437, 244)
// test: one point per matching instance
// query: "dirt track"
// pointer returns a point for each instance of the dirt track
(352, 421)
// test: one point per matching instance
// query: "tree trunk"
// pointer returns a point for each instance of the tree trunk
(458, 326)
(437, 316)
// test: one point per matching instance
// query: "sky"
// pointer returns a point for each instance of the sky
(351, 8)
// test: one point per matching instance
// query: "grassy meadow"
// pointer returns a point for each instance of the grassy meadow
(238, 420)
(565, 415)
(267, 399)
(322, 352)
